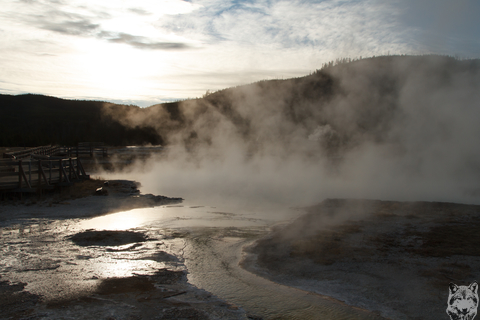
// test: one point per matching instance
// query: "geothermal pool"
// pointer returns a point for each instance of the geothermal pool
(209, 241)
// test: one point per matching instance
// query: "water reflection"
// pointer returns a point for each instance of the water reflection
(119, 221)
(189, 215)
(211, 245)
(76, 260)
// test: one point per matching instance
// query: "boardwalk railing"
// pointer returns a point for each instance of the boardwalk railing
(43, 150)
(41, 172)
(89, 148)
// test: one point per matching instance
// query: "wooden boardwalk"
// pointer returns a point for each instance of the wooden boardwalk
(36, 169)
(35, 175)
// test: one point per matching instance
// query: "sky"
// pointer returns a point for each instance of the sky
(145, 52)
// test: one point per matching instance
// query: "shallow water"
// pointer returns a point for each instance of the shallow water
(213, 265)
(56, 268)
(188, 216)
(214, 237)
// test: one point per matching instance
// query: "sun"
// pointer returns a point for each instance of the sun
(111, 70)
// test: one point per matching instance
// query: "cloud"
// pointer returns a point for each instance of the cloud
(66, 23)
(350, 26)
(142, 42)
(140, 11)
(104, 20)
(247, 40)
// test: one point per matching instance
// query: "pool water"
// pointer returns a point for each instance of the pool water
(213, 238)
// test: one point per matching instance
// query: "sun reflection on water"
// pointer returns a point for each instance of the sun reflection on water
(187, 215)
(125, 268)
(118, 221)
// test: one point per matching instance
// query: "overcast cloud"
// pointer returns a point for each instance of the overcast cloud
(145, 51)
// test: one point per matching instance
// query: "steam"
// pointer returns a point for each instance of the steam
(387, 128)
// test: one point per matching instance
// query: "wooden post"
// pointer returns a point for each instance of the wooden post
(21, 174)
(64, 173)
(50, 172)
(60, 165)
(30, 172)
(41, 174)
(80, 166)
(20, 171)
(72, 170)
(39, 190)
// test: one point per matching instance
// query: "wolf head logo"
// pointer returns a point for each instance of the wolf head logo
(462, 301)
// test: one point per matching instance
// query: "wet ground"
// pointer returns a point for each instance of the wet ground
(87, 259)
(394, 257)
(52, 270)
(177, 261)
(213, 264)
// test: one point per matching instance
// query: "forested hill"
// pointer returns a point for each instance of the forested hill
(33, 120)
(343, 105)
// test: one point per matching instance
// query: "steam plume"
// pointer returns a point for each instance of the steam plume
(389, 128)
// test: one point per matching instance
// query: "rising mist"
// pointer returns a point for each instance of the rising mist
(390, 128)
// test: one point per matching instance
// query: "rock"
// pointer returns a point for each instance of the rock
(101, 192)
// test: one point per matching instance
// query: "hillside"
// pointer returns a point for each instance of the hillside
(376, 101)
(33, 120)
(332, 111)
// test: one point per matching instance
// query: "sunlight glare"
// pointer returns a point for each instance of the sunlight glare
(119, 70)
(119, 221)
